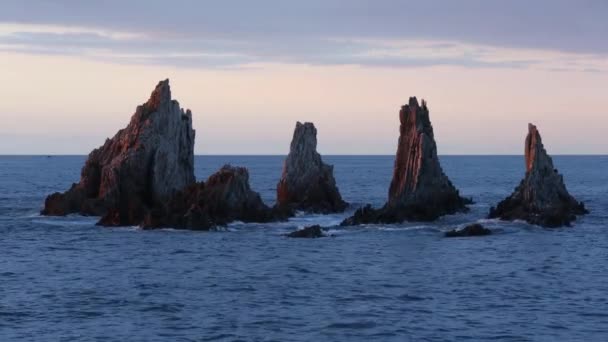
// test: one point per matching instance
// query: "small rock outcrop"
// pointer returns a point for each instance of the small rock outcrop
(225, 197)
(307, 183)
(419, 190)
(141, 166)
(470, 230)
(541, 198)
(311, 232)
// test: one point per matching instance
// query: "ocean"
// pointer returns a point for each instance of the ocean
(65, 279)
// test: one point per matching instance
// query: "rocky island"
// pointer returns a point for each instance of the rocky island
(474, 229)
(225, 197)
(419, 190)
(307, 183)
(144, 176)
(541, 198)
(311, 232)
(140, 167)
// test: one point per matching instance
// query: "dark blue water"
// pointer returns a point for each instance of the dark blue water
(63, 279)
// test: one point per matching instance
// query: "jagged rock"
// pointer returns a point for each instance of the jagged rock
(419, 190)
(311, 232)
(470, 230)
(225, 197)
(142, 165)
(541, 198)
(307, 183)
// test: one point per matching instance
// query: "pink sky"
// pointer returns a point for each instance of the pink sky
(68, 83)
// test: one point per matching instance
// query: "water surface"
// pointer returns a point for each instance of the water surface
(64, 279)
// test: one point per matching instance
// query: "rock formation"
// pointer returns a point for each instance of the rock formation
(419, 190)
(311, 232)
(141, 166)
(471, 230)
(541, 198)
(225, 197)
(307, 183)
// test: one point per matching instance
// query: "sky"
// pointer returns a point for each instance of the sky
(74, 71)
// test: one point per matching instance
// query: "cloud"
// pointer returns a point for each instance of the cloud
(565, 25)
(384, 33)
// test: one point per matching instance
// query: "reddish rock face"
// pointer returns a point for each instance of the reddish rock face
(417, 171)
(225, 197)
(419, 190)
(143, 164)
(307, 183)
(541, 198)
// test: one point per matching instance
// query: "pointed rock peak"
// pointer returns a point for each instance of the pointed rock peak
(142, 165)
(413, 102)
(541, 198)
(535, 151)
(419, 190)
(304, 134)
(307, 183)
(307, 127)
(414, 115)
(416, 163)
(160, 95)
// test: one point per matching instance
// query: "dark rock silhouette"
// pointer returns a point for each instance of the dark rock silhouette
(311, 232)
(541, 198)
(225, 197)
(307, 183)
(141, 166)
(419, 190)
(470, 230)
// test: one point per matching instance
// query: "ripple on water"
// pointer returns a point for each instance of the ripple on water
(359, 325)
(66, 279)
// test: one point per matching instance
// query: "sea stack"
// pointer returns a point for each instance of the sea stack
(541, 198)
(225, 197)
(419, 190)
(141, 166)
(307, 183)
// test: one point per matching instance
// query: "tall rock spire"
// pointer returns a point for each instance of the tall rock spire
(143, 164)
(541, 198)
(307, 183)
(417, 176)
(419, 190)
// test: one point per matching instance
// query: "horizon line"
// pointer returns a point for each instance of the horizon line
(322, 155)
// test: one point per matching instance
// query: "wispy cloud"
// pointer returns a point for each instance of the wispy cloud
(467, 54)
(8, 29)
(213, 52)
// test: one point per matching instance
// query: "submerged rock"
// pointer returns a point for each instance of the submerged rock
(141, 166)
(419, 190)
(225, 197)
(470, 230)
(307, 183)
(541, 198)
(311, 232)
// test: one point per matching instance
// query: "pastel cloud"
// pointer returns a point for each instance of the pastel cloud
(144, 48)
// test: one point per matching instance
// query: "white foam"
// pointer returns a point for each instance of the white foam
(400, 228)
(71, 220)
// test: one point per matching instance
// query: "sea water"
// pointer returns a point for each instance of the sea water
(65, 279)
